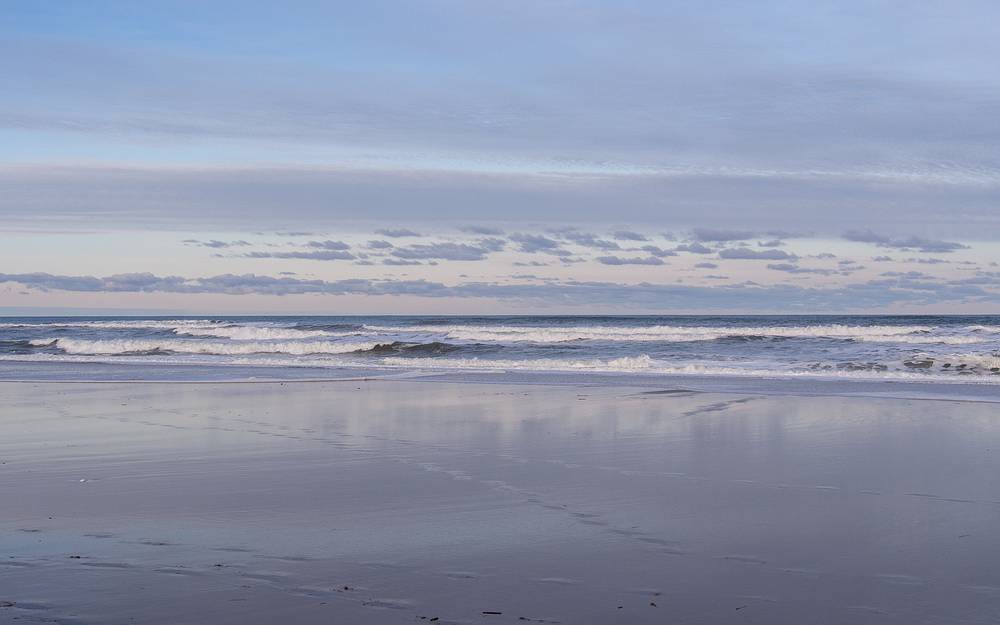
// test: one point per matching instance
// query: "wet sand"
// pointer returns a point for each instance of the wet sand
(402, 502)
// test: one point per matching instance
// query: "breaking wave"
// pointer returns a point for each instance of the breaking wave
(413, 349)
(180, 346)
(904, 348)
(152, 324)
(676, 334)
(256, 333)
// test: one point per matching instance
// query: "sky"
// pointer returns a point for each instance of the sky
(551, 156)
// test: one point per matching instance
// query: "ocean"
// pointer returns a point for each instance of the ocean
(963, 349)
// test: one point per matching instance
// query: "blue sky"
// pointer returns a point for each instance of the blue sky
(849, 149)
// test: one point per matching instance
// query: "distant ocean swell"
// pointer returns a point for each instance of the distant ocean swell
(934, 348)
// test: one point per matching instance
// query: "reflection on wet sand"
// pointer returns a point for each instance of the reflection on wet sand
(393, 501)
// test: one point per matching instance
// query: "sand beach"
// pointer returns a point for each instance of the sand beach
(391, 501)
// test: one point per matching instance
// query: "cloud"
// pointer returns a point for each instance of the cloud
(657, 251)
(866, 236)
(875, 294)
(719, 235)
(622, 110)
(791, 268)
(591, 240)
(379, 245)
(397, 233)
(310, 250)
(216, 244)
(618, 260)
(396, 262)
(694, 248)
(493, 244)
(927, 245)
(919, 244)
(770, 243)
(774, 123)
(533, 243)
(328, 245)
(746, 253)
(317, 255)
(628, 235)
(445, 251)
(706, 266)
(247, 198)
(928, 261)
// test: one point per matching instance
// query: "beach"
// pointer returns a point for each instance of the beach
(494, 313)
(394, 501)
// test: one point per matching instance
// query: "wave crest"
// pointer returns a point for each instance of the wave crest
(680, 334)
(181, 346)
(257, 333)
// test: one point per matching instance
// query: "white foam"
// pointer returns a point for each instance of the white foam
(923, 339)
(647, 365)
(256, 333)
(982, 328)
(915, 334)
(636, 365)
(628, 363)
(972, 360)
(473, 333)
(152, 324)
(881, 350)
(127, 346)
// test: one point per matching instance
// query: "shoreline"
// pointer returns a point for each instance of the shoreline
(801, 386)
